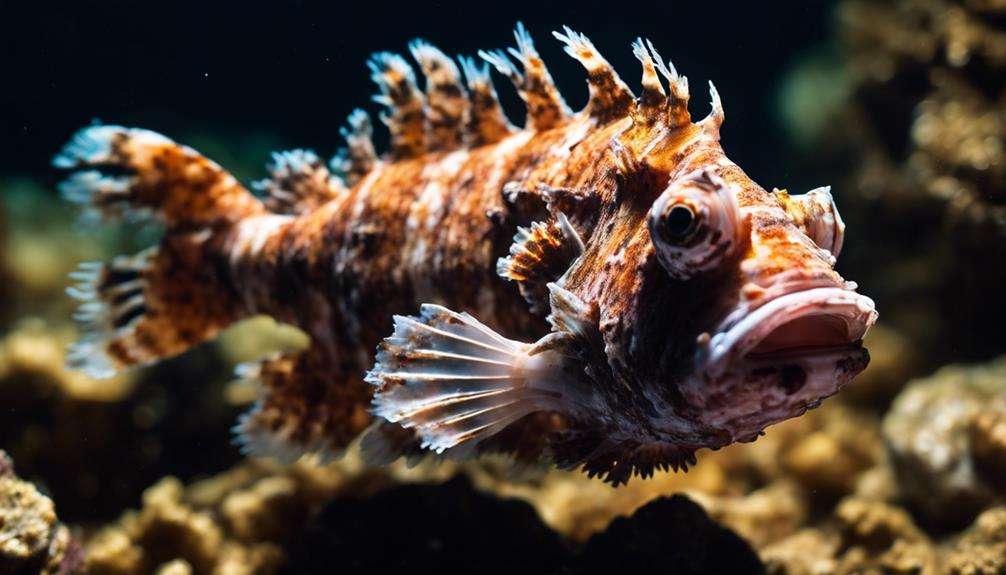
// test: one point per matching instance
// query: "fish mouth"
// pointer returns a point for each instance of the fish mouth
(811, 325)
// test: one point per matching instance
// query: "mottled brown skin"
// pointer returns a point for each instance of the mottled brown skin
(343, 271)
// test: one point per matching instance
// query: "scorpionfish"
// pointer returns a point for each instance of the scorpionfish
(602, 289)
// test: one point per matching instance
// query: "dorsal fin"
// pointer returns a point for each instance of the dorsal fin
(404, 117)
(711, 123)
(487, 124)
(545, 105)
(670, 109)
(446, 100)
(609, 96)
(358, 157)
(298, 183)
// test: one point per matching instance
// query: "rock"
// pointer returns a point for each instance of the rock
(268, 510)
(425, 528)
(878, 537)
(671, 534)
(875, 525)
(926, 121)
(31, 538)
(931, 434)
(988, 447)
(894, 360)
(807, 552)
(761, 517)
(982, 548)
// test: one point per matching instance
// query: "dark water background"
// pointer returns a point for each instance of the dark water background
(253, 75)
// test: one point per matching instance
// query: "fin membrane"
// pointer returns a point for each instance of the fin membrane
(456, 381)
(446, 100)
(308, 406)
(154, 176)
(539, 255)
(137, 309)
(299, 183)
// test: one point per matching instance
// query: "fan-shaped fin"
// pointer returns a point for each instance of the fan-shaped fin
(609, 96)
(358, 157)
(545, 105)
(487, 124)
(298, 183)
(404, 116)
(458, 382)
(446, 100)
(539, 255)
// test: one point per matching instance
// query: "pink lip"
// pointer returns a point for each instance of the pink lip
(817, 320)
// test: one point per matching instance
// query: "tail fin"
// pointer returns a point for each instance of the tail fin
(156, 304)
(170, 181)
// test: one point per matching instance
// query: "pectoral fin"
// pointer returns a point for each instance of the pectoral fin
(457, 382)
(539, 255)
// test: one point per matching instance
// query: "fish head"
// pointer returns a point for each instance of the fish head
(722, 313)
(779, 329)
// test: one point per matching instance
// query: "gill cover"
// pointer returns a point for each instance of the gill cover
(694, 224)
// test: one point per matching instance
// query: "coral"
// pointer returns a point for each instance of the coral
(930, 434)
(171, 535)
(31, 538)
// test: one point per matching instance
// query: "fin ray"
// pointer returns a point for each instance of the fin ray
(299, 182)
(546, 107)
(474, 384)
(610, 97)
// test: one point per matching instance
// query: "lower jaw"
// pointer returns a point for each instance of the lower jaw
(821, 372)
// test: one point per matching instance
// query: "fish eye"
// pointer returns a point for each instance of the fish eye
(679, 224)
(694, 224)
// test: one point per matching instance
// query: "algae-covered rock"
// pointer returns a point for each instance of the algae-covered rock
(882, 538)
(31, 538)
(943, 436)
(982, 548)
(235, 523)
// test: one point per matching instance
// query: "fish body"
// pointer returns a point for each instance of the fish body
(603, 288)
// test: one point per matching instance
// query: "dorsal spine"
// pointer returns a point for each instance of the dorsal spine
(486, 123)
(446, 98)
(545, 105)
(404, 116)
(609, 96)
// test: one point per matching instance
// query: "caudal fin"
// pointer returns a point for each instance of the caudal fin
(154, 175)
(141, 308)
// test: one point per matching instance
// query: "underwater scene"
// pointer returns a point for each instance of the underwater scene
(548, 287)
